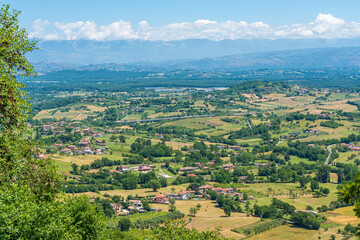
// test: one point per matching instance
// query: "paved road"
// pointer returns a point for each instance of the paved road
(330, 152)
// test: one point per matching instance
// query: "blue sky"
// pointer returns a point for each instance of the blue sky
(158, 14)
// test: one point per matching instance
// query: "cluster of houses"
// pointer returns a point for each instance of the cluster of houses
(58, 128)
(234, 147)
(350, 146)
(55, 127)
(230, 167)
(202, 192)
(309, 130)
(133, 205)
(73, 150)
(84, 148)
(141, 168)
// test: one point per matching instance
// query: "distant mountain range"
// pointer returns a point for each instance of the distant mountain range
(313, 58)
(85, 52)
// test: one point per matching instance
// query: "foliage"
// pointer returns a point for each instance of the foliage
(178, 231)
(330, 124)
(23, 217)
(350, 194)
(154, 222)
(261, 227)
(305, 220)
(16, 148)
(193, 211)
(124, 224)
(154, 184)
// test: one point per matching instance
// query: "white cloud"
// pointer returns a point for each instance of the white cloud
(89, 30)
(324, 26)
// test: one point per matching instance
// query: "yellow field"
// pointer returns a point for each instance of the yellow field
(78, 159)
(339, 105)
(146, 192)
(96, 108)
(343, 216)
(209, 217)
(286, 232)
(174, 145)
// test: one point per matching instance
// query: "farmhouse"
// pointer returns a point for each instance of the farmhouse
(123, 168)
(144, 168)
(203, 188)
(186, 194)
(160, 198)
(66, 151)
(243, 178)
(188, 169)
(235, 147)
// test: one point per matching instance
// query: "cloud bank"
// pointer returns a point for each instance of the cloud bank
(325, 26)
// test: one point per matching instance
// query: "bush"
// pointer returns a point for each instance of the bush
(124, 224)
(154, 222)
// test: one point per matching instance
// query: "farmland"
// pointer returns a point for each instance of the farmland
(247, 145)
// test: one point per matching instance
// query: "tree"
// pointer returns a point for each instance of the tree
(22, 216)
(124, 224)
(350, 194)
(172, 208)
(116, 199)
(198, 206)
(323, 174)
(303, 181)
(314, 185)
(113, 138)
(177, 230)
(146, 205)
(154, 184)
(75, 168)
(31, 204)
(122, 139)
(227, 210)
(163, 182)
(193, 211)
(17, 159)
(305, 220)
(106, 206)
(129, 182)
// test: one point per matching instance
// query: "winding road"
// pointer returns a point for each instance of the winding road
(330, 152)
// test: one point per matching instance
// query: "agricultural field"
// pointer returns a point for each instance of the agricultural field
(252, 147)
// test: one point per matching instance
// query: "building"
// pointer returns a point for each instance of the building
(144, 168)
(136, 203)
(222, 147)
(228, 167)
(235, 147)
(66, 151)
(188, 169)
(184, 195)
(210, 164)
(243, 178)
(123, 168)
(160, 198)
(203, 188)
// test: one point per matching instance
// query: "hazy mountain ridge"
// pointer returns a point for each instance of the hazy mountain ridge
(85, 52)
(315, 58)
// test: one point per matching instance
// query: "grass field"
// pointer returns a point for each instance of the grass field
(263, 194)
(209, 217)
(63, 166)
(146, 192)
(286, 232)
(343, 216)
